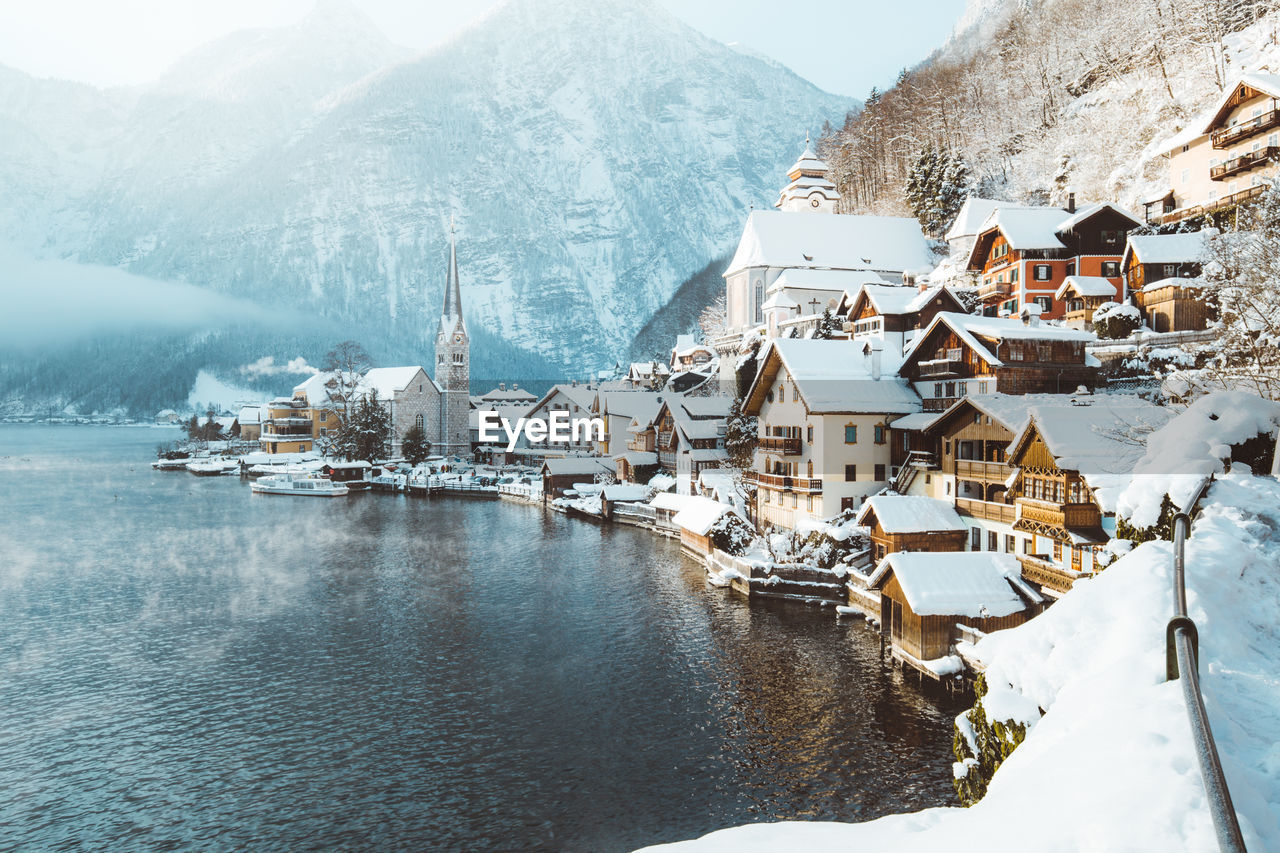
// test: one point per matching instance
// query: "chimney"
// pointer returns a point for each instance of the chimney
(502, 386)
(1071, 200)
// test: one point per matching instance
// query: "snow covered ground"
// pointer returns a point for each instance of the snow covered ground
(1111, 765)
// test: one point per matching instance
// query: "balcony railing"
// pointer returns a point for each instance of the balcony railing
(989, 510)
(791, 484)
(991, 472)
(1227, 201)
(941, 367)
(1069, 516)
(777, 444)
(1048, 574)
(1244, 163)
(993, 289)
(1228, 136)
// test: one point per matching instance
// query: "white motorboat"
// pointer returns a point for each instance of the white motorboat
(298, 484)
(208, 467)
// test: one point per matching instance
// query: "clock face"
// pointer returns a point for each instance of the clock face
(457, 339)
(814, 202)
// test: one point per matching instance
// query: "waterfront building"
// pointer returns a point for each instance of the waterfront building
(824, 410)
(250, 421)
(895, 314)
(911, 523)
(689, 437)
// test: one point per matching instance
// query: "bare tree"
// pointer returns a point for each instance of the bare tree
(346, 364)
(714, 319)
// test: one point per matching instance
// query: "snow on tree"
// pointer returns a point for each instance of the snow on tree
(714, 319)
(937, 186)
(346, 364)
(740, 434)
(414, 445)
(828, 325)
(1114, 320)
(364, 433)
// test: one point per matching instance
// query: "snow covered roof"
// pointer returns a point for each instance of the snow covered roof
(625, 492)
(1028, 227)
(820, 279)
(833, 377)
(670, 500)
(1193, 446)
(514, 394)
(706, 407)
(386, 381)
(1183, 248)
(1010, 411)
(779, 300)
(808, 162)
(581, 396)
(1185, 281)
(917, 421)
(1086, 285)
(972, 214)
(975, 584)
(969, 328)
(1196, 128)
(700, 514)
(774, 238)
(911, 514)
(313, 388)
(1088, 211)
(576, 466)
(1267, 84)
(708, 454)
(248, 415)
(639, 457)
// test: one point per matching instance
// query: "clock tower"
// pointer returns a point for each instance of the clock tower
(809, 190)
(453, 365)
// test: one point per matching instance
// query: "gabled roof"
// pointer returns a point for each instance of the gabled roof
(582, 396)
(888, 299)
(774, 238)
(1010, 411)
(1085, 285)
(911, 514)
(1087, 212)
(386, 381)
(819, 279)
(248, 415)
(957, 583)
(700, 514)
(626, 402)
(1202, 123)
(972, 214)
(971, 329)
(587, 466)
(1031, 228)
(1185, 248)
(833, 377)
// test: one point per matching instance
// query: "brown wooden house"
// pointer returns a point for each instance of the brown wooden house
(894, 313)
(961, 354)
(911, 523)
(1023, 254)
(1162, 277)
(924, 598)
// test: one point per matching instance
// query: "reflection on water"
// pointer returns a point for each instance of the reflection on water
(184, 664)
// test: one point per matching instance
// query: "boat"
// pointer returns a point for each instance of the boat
(214, 467)
(170, 464)
(296, 484)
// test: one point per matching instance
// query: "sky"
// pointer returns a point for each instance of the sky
(843, 46)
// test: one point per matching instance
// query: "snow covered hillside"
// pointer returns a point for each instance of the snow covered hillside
(595, 153)
(1111, 763)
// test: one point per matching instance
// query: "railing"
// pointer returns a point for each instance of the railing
(1210, 206)
(994, 288)
(975, 469)
(1228, 136)
(1072, 516)
(779, 481)
(990, 510)
(778, 444)
(941, 367)
(1243, 163)
(1182, 662)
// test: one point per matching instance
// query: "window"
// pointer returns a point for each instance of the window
(1013, 275)
(1057, 550)
(1010, 545)
(948, 487)
(759, 300)
(850, 434)
(951, 389)
(1026, 546)
(880, 473)
(810, 434)
(850, 473)
(794, 499)
(993, 540)
(417, 421)
(808, 502)
(1110, 269)
(809, 471)
(962, 388)
(1170, 270)
(975, 538)
(937, 389)
(1273, 140)
(846, 504)
(1042, 272)
(1186, 175)
(1111, 238)
(879, 434)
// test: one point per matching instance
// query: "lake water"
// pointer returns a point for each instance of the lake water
(184, 664)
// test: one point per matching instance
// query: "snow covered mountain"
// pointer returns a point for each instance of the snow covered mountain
(595, 153)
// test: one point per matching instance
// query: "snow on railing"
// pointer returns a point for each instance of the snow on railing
(1182, 661)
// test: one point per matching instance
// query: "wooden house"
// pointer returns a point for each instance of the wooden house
(1162, 277)
(911, 523)
(961, 354)
(1072, 460)
(697, 520)
(1081, 295)
(1023, 254)
(559, 475)
(895, 313)
(924, 598)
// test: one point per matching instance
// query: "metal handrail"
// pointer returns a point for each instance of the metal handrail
(1182, 658)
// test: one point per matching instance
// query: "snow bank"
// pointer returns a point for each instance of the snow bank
(1111, 764)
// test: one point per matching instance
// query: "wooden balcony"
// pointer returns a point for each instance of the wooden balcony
(1228, 136)
(1081, 516)
(989, 510)
(1244, 163)
(812, 486)
(777, 444)
(1048, 574)
(940, 367)
(995, 290)
(1224, 203)
(987, 472)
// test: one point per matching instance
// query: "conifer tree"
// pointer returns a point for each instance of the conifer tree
(414, 446)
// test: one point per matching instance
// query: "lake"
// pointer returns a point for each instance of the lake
(184, 664)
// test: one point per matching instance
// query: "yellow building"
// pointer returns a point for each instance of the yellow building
(1223, 156)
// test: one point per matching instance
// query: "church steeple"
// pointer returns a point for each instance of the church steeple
(809, 190)
(453, 363)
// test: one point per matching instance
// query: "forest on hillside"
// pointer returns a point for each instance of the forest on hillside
(1036, 97)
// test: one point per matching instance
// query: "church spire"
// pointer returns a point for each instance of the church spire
(452, 289)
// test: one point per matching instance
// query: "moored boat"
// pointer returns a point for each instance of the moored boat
(170, 464)
(213, 467)
(296, 484)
